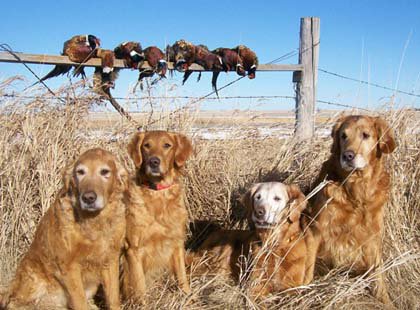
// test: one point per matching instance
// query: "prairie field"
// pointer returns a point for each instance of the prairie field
(233, 149)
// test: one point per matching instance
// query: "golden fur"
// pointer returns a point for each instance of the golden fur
(348, 229)
(278, 255)
(76, 245)
(156, 218)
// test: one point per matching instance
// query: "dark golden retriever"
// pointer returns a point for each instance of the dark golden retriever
(274, 255)
(156, 213)
(348, 212)
(78, 242)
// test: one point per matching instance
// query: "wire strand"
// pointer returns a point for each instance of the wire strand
(369, 83)
(7, 48)
(156, 97)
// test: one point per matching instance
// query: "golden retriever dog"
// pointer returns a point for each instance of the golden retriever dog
(348, 212)
(277, 248)
(78, 242)
(156, 213)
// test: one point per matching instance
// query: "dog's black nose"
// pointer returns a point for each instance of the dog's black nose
(154, 162)
(348, 155)
(260, 213)
(89, 197)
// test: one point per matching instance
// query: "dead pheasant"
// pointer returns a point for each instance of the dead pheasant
(105, 76)
(184, 55)
(78, 49)
(131, 53)
(206, 59)
(249, 59)
(231, 62)
(157, 62)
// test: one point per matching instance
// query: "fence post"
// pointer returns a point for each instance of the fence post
(306, 81)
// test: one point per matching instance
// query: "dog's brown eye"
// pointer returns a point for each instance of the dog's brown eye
(146, 145)
(80, 172)
(277, 198)
(365, 135)
(343, 136)
(167, 145)
(104, 172)
(258, 197)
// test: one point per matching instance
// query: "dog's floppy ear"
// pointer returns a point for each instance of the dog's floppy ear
(247, 201)
(68, 181)
(183, 149)
(297, 202)
(386, 141)
(335, 148)
(134, 148)
(122, 175)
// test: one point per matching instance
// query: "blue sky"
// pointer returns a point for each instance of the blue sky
(372, 40)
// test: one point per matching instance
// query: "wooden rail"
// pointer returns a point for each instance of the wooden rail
(96, 62)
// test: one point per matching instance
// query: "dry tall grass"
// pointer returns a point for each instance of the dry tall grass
(38, 137)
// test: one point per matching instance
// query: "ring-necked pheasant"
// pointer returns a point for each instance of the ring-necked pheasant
(157, 62)
(249, 59)
(105, 76)
(231, 62)
(131, 52)
(78, 49)
(184, 55)
(206, 59)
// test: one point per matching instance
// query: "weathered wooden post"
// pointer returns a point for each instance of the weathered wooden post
(306, 80)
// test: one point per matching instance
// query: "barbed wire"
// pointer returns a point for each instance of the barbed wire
(7, 48)
(155, 97)
(343, 105)
(292, 53)
(369, 83)
(288, 55)
(257, 97)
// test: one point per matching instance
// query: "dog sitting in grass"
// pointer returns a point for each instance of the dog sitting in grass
(77, 244)
(273, 256)
(156, 213)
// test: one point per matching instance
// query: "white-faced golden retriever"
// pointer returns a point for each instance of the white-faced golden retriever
(277, 247)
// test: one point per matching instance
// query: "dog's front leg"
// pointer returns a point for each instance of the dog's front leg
(110, 280)
(373, 260)
(313, 242)
(178, 268)
(71, 280)
(135, 281)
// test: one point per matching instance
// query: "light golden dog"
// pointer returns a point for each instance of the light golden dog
(156, 213)
(78, 242)
(348, 212)
(276, 250)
